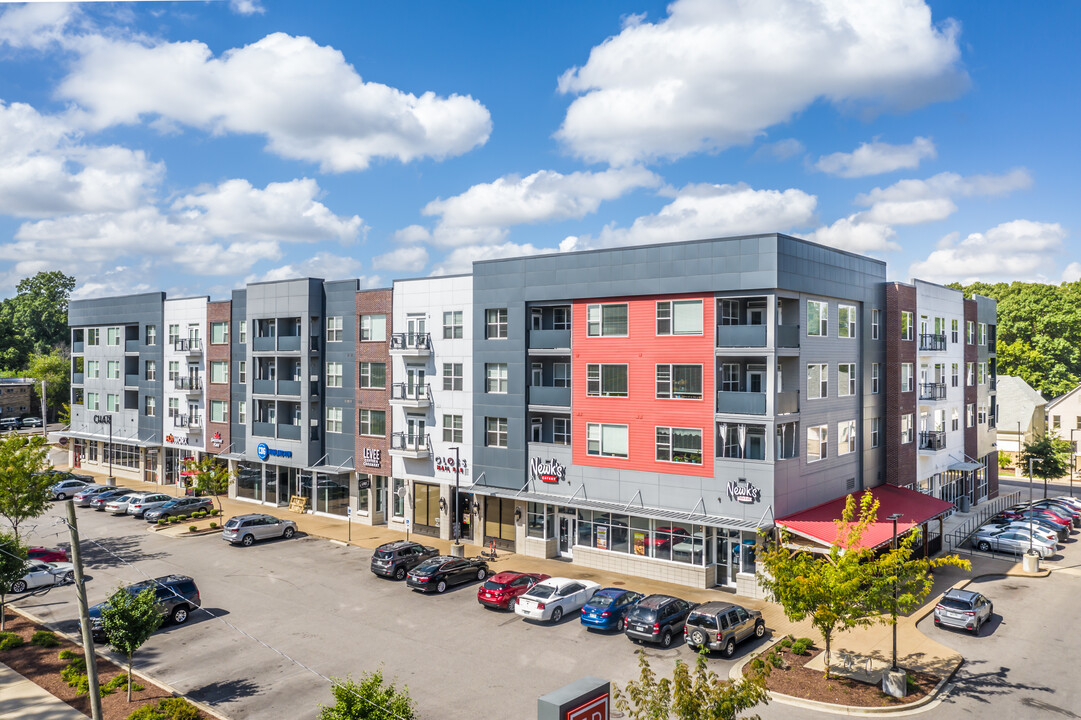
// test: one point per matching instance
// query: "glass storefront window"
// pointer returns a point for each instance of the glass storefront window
(249, 482)
(398, 501)
(380, 493)
(426, 508)
(535, 520)
(499, 521)
(363, 493)
(332, 494)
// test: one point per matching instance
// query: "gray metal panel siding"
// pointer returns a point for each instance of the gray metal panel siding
(503, 467)
(341, 301)
(238, 392)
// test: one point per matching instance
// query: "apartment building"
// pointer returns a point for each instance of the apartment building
(374, 325)
(185, 374)
(17, 398)
(217, 382)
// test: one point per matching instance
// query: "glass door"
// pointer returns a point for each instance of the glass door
(414, 381)
(414, 431)
(756, 379)
(414, 328)
(567, 533)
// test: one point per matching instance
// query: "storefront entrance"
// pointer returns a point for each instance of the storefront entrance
(426, 513)
(567, 534)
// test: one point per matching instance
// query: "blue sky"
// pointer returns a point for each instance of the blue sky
(193, 146)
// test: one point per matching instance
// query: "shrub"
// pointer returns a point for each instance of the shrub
(10, 641)
(119, 682)
(181, 517)
(174, 520)
(67, 654)
(213, 525)
(177, 708)
(192, 528)
(787, 642)
(45, 639)
(800, 646)
(775, 660)
(163, 521)
(215, 511)
(146, 712)
(757, 664)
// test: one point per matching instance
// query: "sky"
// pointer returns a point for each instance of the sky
(194, 146)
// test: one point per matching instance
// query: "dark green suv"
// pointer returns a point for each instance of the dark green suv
(177, 596)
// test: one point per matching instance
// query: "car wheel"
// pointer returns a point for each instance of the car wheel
(289, 532)
(983, 545)
(61, 496)
(990, 611)
(481, 574)
(180, 615)
(69, 577)
(621, 624)
(698, 638)
(759, 629)
(399, 574)
(730, 648)
(666, 639)
(18, 586)
(441, 586)
(248, 540)
(557, 615)
(164, 516)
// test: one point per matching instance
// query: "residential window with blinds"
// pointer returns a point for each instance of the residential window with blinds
(679, 445)
(606, 380)
(607, 440)
(219, 333)
(679, 317)
(679, 382)
(606, 320)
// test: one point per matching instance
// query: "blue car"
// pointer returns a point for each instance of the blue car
(607, 609)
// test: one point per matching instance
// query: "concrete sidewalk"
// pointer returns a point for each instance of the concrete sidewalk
(22, 699)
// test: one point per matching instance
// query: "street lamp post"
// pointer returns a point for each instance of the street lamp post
(1073, 458)
(454, 518)
(895, 517)
(108, 420)
(1030, 506)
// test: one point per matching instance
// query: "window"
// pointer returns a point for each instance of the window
(174, 407)
(93, 368)
(955, 420)
(495, 323)
(334, 417)
(219, 371)
(907, 377)
(607, 440)
(93, 336)
(174, 370)
(846, 437)
(561, 319)
(679, 445)
(817, 318)
(151, 406)
(242, 335)
(373, 328)
(452, 428)
(817, 381)
(92, 401)
(953, 375)
(561, 431)
(151, 369)
(242, 412)
(606, 380)
(876, 430)
(981, 369)
(679, 317)
(846, 379)
(906, 428)
(1079, 422)
(242, 371)
(981, 414)
(496, 377)
(970, 415)
(876, 377)
(112, 369)
(495, 432)
(373, 376)
(953, 330)
(906, 325)
(846, 321)
(334, 333)
(334, 375)
(219, 411)
(112, 403)
(679, 382)
(970, 374)
(561, 374)
(112, 336)
(219, 333)
(452, 325)
(970, 332)
(817, 443)
(983, 333)
(373, 422)
(876, 319)
(452, 376)
(1056, 421)
(606, 320)
(151, 334)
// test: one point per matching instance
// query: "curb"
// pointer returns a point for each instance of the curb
(77, 640)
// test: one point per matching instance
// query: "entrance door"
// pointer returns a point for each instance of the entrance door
(414, 328)
(414, 381)
(756, 316)
(414, 430)
(567, 533)
(756, 379)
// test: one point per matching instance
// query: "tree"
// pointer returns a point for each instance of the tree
(12, 569)
(209, 476)
(1050, 456)
(852, 585)
(702, 695)
(35, 320)
(368, 698)
(54, 368)
(24, 491)
(128, 620)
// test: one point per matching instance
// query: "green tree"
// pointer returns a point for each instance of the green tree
(36, 319)
(210, 476)
(368, 698)
(128, 620)
(12, 569)
(1050, 456)
(701, 695)
(54, 368)
(24, 491)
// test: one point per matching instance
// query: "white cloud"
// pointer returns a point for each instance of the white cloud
(35, 24)
(705, 211)
(717, 73)
(410, 259)
(1016, 250)
(460, 260)
(327, 266)
(247, 7)
(779, 151)
(854, 236)
(1072, 273)
(876, 158)
(910, 202)
(304, 98)
(413, 234)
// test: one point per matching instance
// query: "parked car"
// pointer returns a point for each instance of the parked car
(86, 496)
(246, 529)
(66, 488)
(395, 559)
(178, 506)
(176, 596)
(1068, 500)
(100, 501)
(44, 574)
(721, 626)
(47, 555)
(658, 619)
(442, 571)
(58, 475)
(9, 424)
(1010, 541)
(1038, 530)
(553, 598)
(963, 609)
(118, 505)
(608, 608)
(29, 422)
(139, 504)
(1060, 526)
(1060, 517)
(502, 589)
(1061, 509)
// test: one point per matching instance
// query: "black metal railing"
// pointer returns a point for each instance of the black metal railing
(410, 391)
(932, 341)
(933, 391)
(188, 345)
(410, 341)
(188, 383)
(932, 440)
(412, 442)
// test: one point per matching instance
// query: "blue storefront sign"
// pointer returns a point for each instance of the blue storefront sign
(264, 452)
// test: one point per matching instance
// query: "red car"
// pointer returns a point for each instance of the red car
(502, 588)
(47, 555)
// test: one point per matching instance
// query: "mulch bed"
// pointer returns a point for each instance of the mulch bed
(42, 666)
(798, 681)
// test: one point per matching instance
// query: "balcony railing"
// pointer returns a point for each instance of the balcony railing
(551, 396)
(289, 343)
(414, 445)
(289, 387)
(742, 403)
(131, 346)
(933, 391)
(262, 429)
(787, 403)
(180, 420)
(77, 346)
(189, 345)
(416, 393)
(191, 384)
(419, 343)
(131, 380)
(288, 431)
(263, 387)
(788, 336)
(195, 421)
(549, 339)
(264, 344)
(76, 378)
(741, 336)
(932, 341)
(992, 383)
(933, 440)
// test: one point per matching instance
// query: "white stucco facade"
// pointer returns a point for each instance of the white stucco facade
(184, 376)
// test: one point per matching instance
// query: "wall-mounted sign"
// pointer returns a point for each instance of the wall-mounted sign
(216, 440)
(264, 452)
(602, 537)
(446, 464)
(177, 439)
(744, 492)
(549, 471)
(103, 419)
(372, 457)
(364, 482)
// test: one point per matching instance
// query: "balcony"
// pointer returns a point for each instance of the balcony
(180, 421)
(263, 429)
(76, 378)
(992, 382)
(289, 343)
(264, 344)
(788, 336)
(741, 336)
(741, 403)
(191, 346)
(932, 341)
(195, 423)
(263, 387)
(549, 339)
(288, 431)
(411, 344)
(550, 396)
(188, 384)
(131, 346)
(933, 391)
(289, 387)
(410, 446)
(787, 403)
(415, 395)
(77, 347)
(933, 440)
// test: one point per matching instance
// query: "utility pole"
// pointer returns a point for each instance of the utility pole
(456, 519)
(84, 615)
(44, 417)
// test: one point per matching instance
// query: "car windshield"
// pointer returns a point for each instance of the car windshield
(542, 591)
(493, 585)
(643, 614)
(601, 601)
(955, 604)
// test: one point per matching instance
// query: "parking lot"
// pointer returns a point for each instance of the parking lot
(317, 603)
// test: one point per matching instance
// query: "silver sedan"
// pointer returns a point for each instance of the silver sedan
(1011, 540)
(42, 574)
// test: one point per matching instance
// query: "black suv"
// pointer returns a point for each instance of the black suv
(721, 625)
(395, 559)
(658, 618)
(177, 596)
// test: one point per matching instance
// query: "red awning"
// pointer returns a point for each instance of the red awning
(916, 508)
(188, 473)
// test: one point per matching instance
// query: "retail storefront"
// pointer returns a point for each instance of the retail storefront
(129, 460)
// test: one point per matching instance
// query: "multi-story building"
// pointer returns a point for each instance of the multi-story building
(217, 385)
(373, 328)
(184, 413)
(17, 398)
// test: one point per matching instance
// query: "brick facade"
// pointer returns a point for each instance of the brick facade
(900, 457)
(17, 398)
(972, 448)
(374, 302)
(217, 433)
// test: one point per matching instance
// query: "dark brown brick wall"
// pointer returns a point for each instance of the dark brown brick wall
(374, 302)
(217, 434)
(18, 399)
(972, 448)
(900, 459)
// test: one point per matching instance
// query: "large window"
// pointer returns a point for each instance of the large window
(561, 374)
(373, 376)
(174, 334)
(876, 321)
(373, 422)
(679, 382)
(495, 377)
(876, 427)
(452, 376)
(561, 431)
(93, 369)
(607, 440)
(151, 335)
(112, 369)
(219, 371)
(334, 420)
(452, 428)
(112, 336)
(242, 412)
(373, 328)
(817, 443)
(151, 369)
(846, 321)
(679, 445)
(219, 333)
(876, 377)
(846, 379)
(219, 411)
(495, 432)
(334, 329)
(907, 377)
(606, 320)
(242, 332)
(93, 336)
(906, 325)
(906, 428)
(817, 318)
(112, 403)
(92, 401)
(452, 325)
(334, 374)
(151, 406)
(606, 380)
(679, 317)
(846, 437)
(817, 381)
(495, 323)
